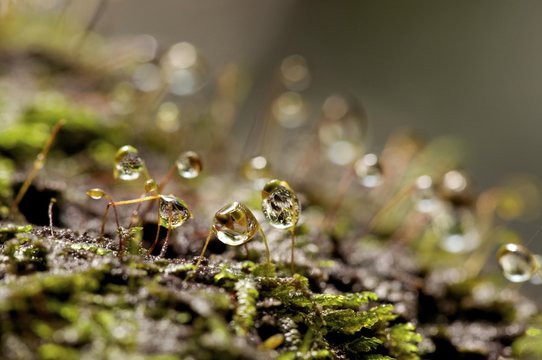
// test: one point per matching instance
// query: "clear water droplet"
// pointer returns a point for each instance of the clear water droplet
(147, 77)
(517, 263)
(295, 73)
(457, 230)
(185, 69)
(234, 224)
(369, 171)
(128, 164)
(290, 110)
(96, 193)
(277, 204)
(179, 211)
(189, 165)
(151, 186)
(424, 195)
(257, 170)
(167, 117)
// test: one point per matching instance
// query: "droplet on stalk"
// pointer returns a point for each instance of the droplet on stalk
(151, 186)
(234, 224)
(277, 204)
(369, 171)
(189, 165)
(179, 211)
(96, 193)
(128, 164)
(518, 264)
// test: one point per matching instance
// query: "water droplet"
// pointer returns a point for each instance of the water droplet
(517, 263)
(454, 185)
(151, 186)
(256, 169)
(96, 193)
(234, 224)
(167, 117)
(290, 110)
(147, 77)
(179, 212)
(128, 164)
(277, 204)
(424, 196)
(295, 73)
(185, 69)
(457, 230)
(341, 152)
(369, 171)
(189, 165)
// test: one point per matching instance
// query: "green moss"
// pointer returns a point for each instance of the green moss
(245, 312)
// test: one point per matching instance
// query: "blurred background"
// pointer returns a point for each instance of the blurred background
(471, 69)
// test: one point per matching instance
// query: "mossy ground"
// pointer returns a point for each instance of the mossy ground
(355, 293)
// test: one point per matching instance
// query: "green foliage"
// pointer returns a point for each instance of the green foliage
(529, 346)
(403, 341)
(246, 294)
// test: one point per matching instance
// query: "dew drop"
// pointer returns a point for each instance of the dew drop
(290, 110)
(189, 165)
(257, 170)
(424, 196)
(185, 69)
(517, 263)
(151, 186)
(369, 171)
(96, 193)
(167, 117)
(277, 204)
(179, 211)
(128, 164)
(234, 224)
(458, 231)
(295, 73)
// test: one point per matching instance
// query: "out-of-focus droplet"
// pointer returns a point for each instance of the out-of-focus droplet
(277, 205)
(424, 196)
(369, 171)
(457, 230)
(341, 152)
(147, 77)
(342, 129)
(121, 98)
(128, 164)
(189, 165)
(335, 108)
(517, 263)
(167, 117)
(290, 110)
(257, 170)
(184, 69)
(234, 224)
(179, 211)
(96, 193)
(151, 186)
(145, 46)
(454, 185)
(295, 73)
